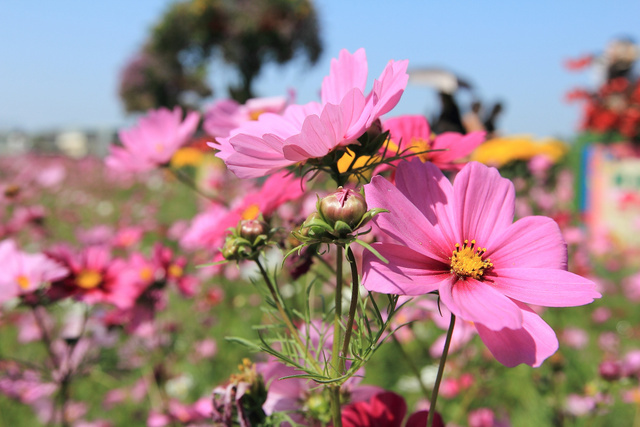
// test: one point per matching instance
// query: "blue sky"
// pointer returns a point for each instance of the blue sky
(59, 61)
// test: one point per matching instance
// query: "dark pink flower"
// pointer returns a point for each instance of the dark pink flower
(460, 241)
(413, 133)
(95, 277)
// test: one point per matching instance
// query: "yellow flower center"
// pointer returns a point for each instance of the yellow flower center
(146, 274)
(254, 115)
(247, 373)
(88, 279)
(251, 212)
(466, 260)
(23, 281)
(175, 271)
(187, 156)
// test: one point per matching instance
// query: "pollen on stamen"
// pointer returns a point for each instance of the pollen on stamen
(466, 260)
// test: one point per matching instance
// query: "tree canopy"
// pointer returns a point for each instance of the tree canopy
(172, 66)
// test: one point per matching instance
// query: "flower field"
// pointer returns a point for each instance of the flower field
(331, 263)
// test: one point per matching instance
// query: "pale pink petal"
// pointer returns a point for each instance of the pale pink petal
(478, 302)
(484, 203)
(187, 127)
(388, 89)
(253, 157)
(544, 286)
(347, 72)
(407, 273)
(315, 140)
(404, 222)
(354, 110)
(222, 117)
(433, 199)
(531, 344)
(533, 241)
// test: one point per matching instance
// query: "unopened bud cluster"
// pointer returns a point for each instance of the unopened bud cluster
(247, 239)
(337, 218)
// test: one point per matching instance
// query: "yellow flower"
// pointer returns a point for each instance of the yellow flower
(346, 160)
(501, 151)
(187, 156)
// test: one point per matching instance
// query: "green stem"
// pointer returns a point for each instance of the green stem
(335, 353)
(355, 287)
(336, 413)
(443, 360)
(46, 339)
(186, 179)
(285, 316)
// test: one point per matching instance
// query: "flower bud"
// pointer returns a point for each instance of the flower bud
(250, 229)
(344, 205)
(610, 370)
(230, 249)
(310, 228)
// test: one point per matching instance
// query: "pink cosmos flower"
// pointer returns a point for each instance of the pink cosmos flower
(413, 133)
(153, 141)
(225, 115)
(95, 277)
(313, 130)
(460, 241)
(22, 273)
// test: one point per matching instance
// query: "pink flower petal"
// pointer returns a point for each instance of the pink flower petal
(478, 302)
(545, 286)
(347, 72)
(532, 242)
(404, 222)
(313, 141)
(388, 89)
(433, 199)
(456, 145)
(484, 203)
(404, 128)
(407, 273)
(531, 344)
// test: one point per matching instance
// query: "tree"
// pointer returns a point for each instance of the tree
(172, 66)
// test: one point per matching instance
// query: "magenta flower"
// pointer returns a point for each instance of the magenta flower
(95, 277)
(153, 141)
(413, 133)
(460, 241)
(313, 130)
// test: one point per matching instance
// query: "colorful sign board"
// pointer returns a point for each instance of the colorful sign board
(613, 196)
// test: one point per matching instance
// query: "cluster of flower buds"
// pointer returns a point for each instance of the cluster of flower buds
(338, 217)
(247, 239)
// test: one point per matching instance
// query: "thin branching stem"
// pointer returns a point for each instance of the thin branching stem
(186, 179)
(285, 315)
(355, 287)
(335, 355)
(443, 360)
(46, 339)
